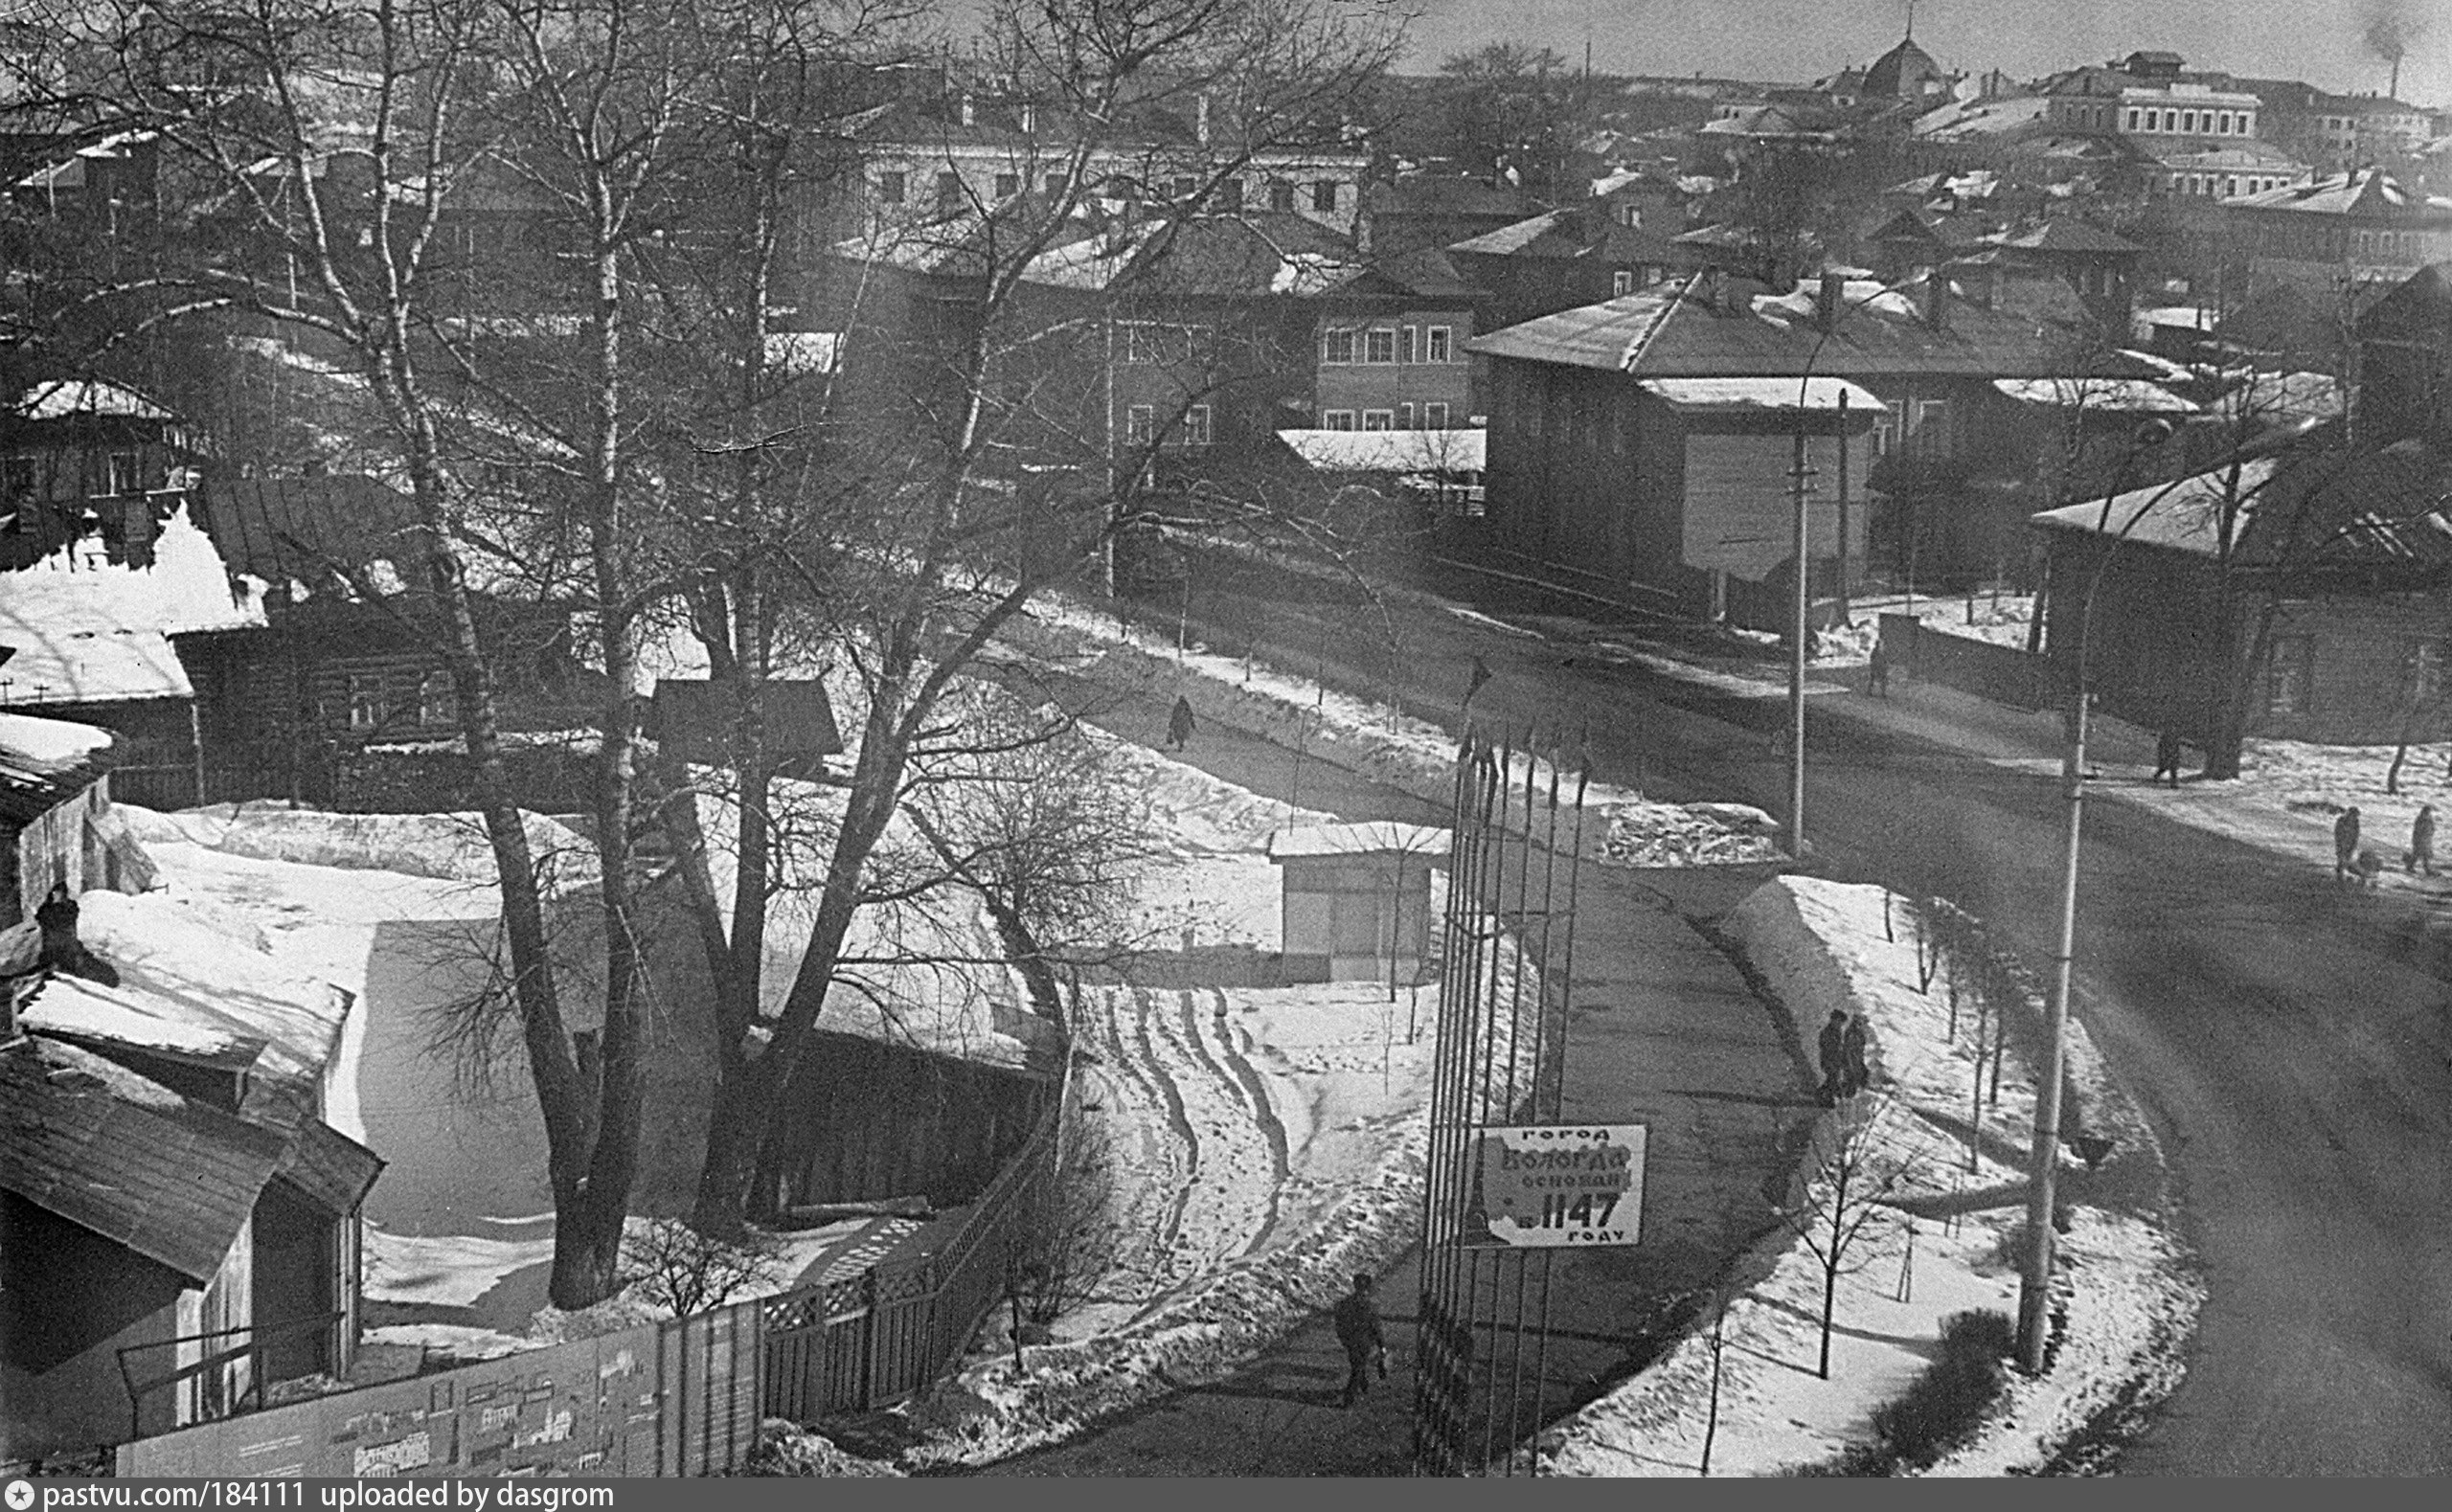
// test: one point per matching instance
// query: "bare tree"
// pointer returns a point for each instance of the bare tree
(1852, 1198)
(677, 1268)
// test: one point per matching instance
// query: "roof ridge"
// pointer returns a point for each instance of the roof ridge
(1642, 341)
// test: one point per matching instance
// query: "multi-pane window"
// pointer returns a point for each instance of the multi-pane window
(1340, 347)
(1405, 343)
(1440, 344)
(120, 476)
(365, 700)
(891, 187)
(1336, 420)
(1404, 416)
(1380, 345)
(1930, 434)
(1378, 421)
(1622, 283)
(1323, 196)
(1139, 424)
(1195, 430)
(436, 705)
(1434, 416)
(1153, 342)
(2289, 681)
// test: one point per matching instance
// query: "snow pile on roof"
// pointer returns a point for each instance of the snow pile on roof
(88, 631)
(1422, 452)
(1378, 838)
(2121, 1285)
(73, 1006)
(62, 398)
(2129, 395)
(446, 846)
(55, 743)
(1735, 395)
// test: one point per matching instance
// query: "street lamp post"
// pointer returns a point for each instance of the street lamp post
(2035, 1279)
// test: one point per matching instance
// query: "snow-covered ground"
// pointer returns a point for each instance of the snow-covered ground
(2125, 1289)
(2003, 618)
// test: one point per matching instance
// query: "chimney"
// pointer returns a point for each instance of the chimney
(1937, 300)
(1827, 292)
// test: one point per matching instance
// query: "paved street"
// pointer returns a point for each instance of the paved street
(2296, 1066)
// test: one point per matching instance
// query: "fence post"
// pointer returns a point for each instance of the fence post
(869, 1343)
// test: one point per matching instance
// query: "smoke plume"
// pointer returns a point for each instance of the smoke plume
(2392, 25)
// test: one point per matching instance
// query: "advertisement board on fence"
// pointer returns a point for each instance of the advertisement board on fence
(1557, 1185)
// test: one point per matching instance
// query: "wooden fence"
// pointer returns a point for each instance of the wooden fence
(677, 1398)
(2002, 673)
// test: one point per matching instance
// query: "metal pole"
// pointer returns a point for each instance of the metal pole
(2033, 1295)
(1796, 666)
(1845, 616)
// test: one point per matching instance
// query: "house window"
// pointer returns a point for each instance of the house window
(1379, 347)
(1281, 196)
(120, 475)
(1440, 344)
(2424, 664)
(1340, 347)
(948, 187)
(18, 481)
(1434, 416)
(1186, 186)
(890, 187)
(1337, 420)
(2132, 120)
(1377, 420)
(1885, 432)
(436, 705)
(1622, 283)
(1930, 433)
(1230, 195)
(1323, 196)
(1404, 416)
(2289, 681)
(1057, 184)
(365, 700)
(1405, 343)
(1139, 424)
(1195, 430)
(1008, 185)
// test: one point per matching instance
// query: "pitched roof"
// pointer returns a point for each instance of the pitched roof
(2064, 234)
(1576, 231)
(166, 1175)
(1673, 333)
(95, 631)
(1902, 63)
(44, 762)
(284, 529)
(2363, 511)
(1443, 194)
(2367, 193)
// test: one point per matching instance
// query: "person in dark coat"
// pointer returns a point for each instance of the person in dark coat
(2166, 757)
(1366, 1344)
(2346, 846)
(1879, 683)
(1853, 1047)
(62, 950)
(2422, 853)
(1834, 1059)
(1179, 725)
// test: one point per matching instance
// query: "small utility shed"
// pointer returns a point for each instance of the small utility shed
(1357, 899)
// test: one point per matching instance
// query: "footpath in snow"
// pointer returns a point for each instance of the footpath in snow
(2123, 1298)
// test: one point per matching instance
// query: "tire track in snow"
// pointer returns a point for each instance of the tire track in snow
(1264, 1114)
(1232, 1204)
(1178, 1121)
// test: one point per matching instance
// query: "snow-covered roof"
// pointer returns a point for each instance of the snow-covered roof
(1760, 393)
(1378, 838)
(89, 631)
(37, 742)
(60, 398)
(1391, 451)
(2129, 395)
(2183, 516)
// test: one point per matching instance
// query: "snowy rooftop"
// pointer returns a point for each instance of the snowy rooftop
(1760, 393)
(30, 746)
(86, 630)
(2130, 395)
(62, 398)
(1390, 451)
(1378, 838)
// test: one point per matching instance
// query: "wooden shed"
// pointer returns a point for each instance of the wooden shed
(1357, 901)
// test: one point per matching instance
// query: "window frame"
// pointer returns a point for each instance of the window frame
(1324, 190)
(1373, 339)
(1387, 419)
(1622, 283)
(1188, 433)
(1434, 414)
(1139, 424)
(1335, 337)
(893, 187)
(1338, 420)
(1404, 415)
(2290, 680)
(362, 700)
(1439, 344)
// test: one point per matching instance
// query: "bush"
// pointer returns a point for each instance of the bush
(1951, 1397)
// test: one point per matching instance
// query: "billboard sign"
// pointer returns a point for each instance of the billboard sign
(1557, 1185)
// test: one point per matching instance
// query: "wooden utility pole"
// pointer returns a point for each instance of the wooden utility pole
(1797, 632)
(2035, 1287)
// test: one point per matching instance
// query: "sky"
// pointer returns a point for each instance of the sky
(2321, 41)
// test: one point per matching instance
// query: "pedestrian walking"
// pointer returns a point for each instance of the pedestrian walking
(1853, 1047)
(1879, 684)
(2167, 756)
(2421, 853)
(2346, 844)
(1834, 1058)
(1365, 1345)
(1179, 725)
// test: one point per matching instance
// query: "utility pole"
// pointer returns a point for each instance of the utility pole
(2034, 1290)
(1797, 632)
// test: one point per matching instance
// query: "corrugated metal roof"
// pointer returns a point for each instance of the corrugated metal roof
(109, 1150)
(296, 528)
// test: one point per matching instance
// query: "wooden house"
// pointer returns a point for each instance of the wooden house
(84, 457)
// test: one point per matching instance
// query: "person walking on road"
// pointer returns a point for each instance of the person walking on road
(2166, 757)
(2346, 846)
(2421, 853)
(1179, 725)
(1853, 1047)
(1365, 1345)
(1834, 1058)
(1878, 683)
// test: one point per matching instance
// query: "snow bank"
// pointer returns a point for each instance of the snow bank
(1369, 740)
(2123, 1294)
